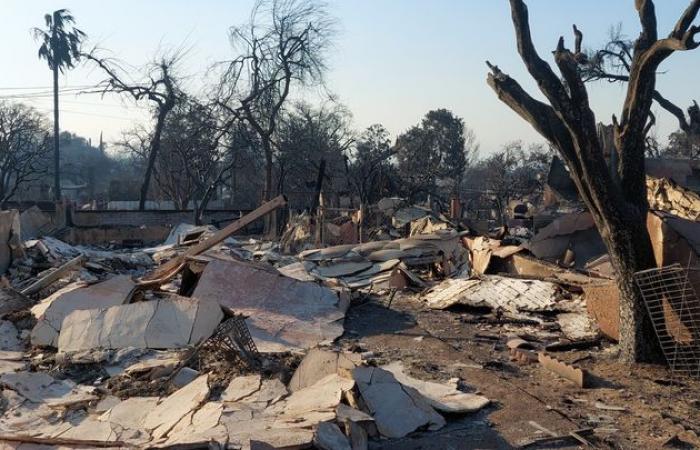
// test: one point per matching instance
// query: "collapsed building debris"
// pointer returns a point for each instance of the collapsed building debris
(208, 340)
(666, 195)
(166, 323)
(52, 311)
(510, 295)
(284, 314)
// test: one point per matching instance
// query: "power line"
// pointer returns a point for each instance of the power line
(70, 111)
(27, 88)
(47, 94)
(107, 105)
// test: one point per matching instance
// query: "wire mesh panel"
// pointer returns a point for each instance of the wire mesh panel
(233, 336)
(674, 308)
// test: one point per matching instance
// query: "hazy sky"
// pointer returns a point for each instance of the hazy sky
(392, 62)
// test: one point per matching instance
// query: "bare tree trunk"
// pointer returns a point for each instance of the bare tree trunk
(618, 205)
(199, 210)
(270, 219)
(319, 185)
(56, 153)
(629, 246)
(153, 153)
(267, 148)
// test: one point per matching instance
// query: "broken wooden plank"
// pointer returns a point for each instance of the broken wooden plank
(52, 277)
(579, 376)
(171, 267)
(58, 441)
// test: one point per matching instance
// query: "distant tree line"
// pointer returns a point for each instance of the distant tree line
(246, 137)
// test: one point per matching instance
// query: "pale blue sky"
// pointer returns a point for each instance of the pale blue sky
(393, 59)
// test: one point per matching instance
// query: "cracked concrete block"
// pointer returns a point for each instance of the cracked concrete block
(442, 397)
(40, 387)
(397, 409)
(171, 324)
(284, 314)
(329, 437)
(324, 395)
(320, 363)
(114, 291)
(156, 324)
(208, 312)
(184, 376)
(240, 388)
(176, 406)
(9, 336)
(126, 326)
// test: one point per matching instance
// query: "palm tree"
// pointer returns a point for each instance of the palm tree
(60, 47)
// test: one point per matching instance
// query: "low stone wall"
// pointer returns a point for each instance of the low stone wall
(169, 218)
(145, 235)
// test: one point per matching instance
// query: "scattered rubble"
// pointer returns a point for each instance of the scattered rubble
(212, 341)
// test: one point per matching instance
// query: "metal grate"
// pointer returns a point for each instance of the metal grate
(233, 336)
(674, 309)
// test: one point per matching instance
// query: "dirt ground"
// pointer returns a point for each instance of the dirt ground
(631, 407)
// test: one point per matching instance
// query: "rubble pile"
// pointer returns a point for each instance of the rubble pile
(210, 341)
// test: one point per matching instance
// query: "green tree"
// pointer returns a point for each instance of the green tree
(369, 169)
(683, 145)
(60, 47)
(433, 156)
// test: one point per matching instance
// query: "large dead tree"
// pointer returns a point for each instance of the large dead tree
(613, 63)
(282, 46)
(618, 204)
(160, 88)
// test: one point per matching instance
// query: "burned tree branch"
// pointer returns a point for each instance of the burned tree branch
(163, 91)
(546, 79)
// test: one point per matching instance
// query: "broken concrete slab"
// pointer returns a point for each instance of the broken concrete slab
(322, 396)
(397, 410)
(10, 364)
(318, 364)
(173, 408)
(341, 269)
(200, 428)
(444, 398)
(329, 437)
(298, 271)
(184, 376)
(270, 391)
(114, 291)
(347, 413)
(9, 337)
(511, 295)
(40, 387)
(152, 324)
(240, 388)
(283, 313)
(130, 413)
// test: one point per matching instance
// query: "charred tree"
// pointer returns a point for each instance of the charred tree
(618, 204)
(161, 89)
